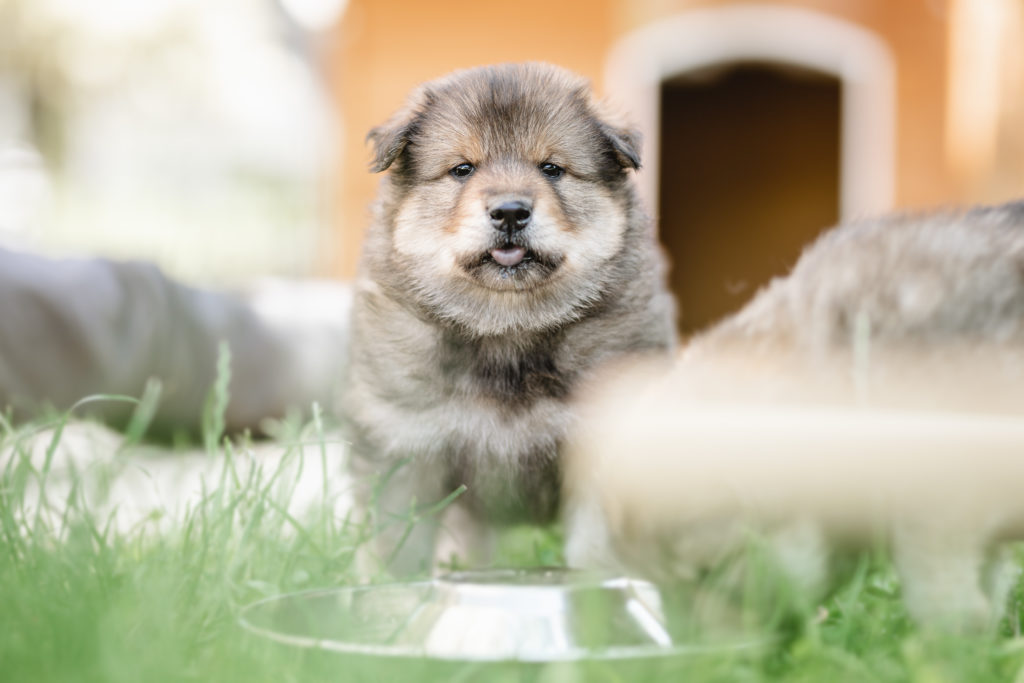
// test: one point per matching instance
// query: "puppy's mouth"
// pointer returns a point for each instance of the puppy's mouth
(509, 256)
(510, 265)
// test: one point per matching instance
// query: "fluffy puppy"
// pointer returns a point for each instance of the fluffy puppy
(877, 390)
(509, 256)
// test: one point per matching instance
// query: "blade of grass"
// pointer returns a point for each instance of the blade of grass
(216, 405)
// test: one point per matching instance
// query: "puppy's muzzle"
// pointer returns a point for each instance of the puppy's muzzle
(511, 216)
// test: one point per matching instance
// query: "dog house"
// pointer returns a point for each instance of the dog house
(764, 122)
(765, 125)
(727, 177)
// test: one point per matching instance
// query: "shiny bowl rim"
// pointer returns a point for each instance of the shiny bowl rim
(397, 652)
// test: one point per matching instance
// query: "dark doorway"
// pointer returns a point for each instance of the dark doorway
(749, 175)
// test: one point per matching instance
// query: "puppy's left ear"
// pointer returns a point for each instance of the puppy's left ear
(390, 138)
(626, 143)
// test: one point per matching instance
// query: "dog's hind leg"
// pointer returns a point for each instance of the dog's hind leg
(941, 569)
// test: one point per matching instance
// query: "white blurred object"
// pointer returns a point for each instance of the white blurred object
(313, 317)
(25, 190)
(315, 15)
(197, 135)
(25, 193)
(113, 19)
(145, 488)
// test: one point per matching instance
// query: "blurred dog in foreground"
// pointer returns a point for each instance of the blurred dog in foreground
(509, 256)
(875, 390)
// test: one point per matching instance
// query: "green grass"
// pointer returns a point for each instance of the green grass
(80, 601)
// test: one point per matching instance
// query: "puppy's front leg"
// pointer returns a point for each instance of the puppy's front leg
(399, 509)
(465, 540)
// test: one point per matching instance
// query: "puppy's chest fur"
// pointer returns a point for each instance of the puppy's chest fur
(512, 376)
(497, 412)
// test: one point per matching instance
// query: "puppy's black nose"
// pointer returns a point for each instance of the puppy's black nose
(511, 216)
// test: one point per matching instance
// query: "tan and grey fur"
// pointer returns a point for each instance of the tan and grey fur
(462, 368)
(876, 390)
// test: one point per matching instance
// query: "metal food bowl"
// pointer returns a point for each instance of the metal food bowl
(522, 615)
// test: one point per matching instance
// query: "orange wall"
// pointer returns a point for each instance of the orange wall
(387, 47)
(915, 32)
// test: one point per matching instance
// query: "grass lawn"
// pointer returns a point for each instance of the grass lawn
(81, 600)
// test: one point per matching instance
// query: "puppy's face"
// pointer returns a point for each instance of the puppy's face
(509, 196)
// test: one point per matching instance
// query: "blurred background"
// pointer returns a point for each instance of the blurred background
(223, 139)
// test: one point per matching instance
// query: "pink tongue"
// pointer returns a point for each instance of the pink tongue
(508, 257)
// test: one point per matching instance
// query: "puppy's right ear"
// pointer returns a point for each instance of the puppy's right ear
(624, 141)
(389, 139)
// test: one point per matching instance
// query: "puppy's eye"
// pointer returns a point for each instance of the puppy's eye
(463, 170)
(551, 170)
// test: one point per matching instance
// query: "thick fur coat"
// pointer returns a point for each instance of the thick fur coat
(508, 258)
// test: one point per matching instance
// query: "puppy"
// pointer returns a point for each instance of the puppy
(508, 258)
(877, 390)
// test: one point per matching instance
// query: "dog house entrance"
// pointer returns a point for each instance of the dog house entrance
(749, 175)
